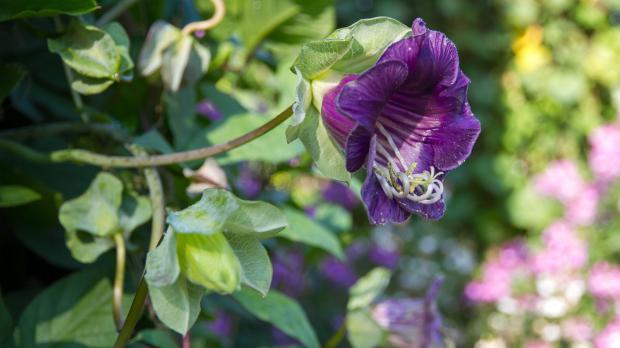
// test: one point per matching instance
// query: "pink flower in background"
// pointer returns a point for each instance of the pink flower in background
(604, 281)
(577, 329)
(564, 251)
(609, 337)
(582, 209)
(537, 344)
(498, 274)
(604, 155)
(561, 180)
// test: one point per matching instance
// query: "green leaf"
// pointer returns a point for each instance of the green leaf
(118, 34)
(13, 195)
(95, 211)
(6, 326)
(207, 216)
(271, 147)
(135, 210)
(153, 140)
(88, 50)
(326, 154)
(370, 38)
(160, 36)
(73, 311)
(317, 57)
(334, 217)
(174, 61)
(368, 288)
(11, 75)
(87, 248)
(303, 97)
(44, 8)
(181, 116)
(197, 65)
(209, 260)
(362, 331)
(305, 230)
(177, 305)
(220, 211)
(282, 312)
(156, 338)
(88, 85)
(162, 265)
(256, 271)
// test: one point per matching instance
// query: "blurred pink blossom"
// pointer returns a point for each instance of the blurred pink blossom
(537, 344)
(604, 280)
(564, 251)
(561, 180)
(577, 329)
(582, 209)
(604, 155)
(609, 337)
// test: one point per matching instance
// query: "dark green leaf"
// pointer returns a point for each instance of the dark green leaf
(156, 338)
(282, 312)
(11, 75)
(73, 311)
(13, 9)
(305, 230)
(6, 326)
(13, 195)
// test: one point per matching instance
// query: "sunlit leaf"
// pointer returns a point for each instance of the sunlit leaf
(13, 195)
(160, 36)
(87, 248)
(368, 288)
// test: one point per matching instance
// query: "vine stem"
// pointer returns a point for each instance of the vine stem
(115, 11)
(218, 16)
(119, 280)
(134, 314)
(89, 157)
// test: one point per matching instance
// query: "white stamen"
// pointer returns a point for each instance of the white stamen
(392, 145)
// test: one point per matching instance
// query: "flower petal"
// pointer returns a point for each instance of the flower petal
(357, 147)
(364, 98)
(381, 209)
(433, 211)
(453, 142)
(338, 124)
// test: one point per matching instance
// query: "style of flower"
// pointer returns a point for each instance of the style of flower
(407, 120)
(411, 323)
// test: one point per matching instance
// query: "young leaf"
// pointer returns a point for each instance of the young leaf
(70, 311)
(160, 36)
(362, 331)
(263, 220)
(305, 230)
(89, 85)
(87, 248)
(208, 260)
(44, 8)
(88, 50)
(162, 265)
(256, 271)
(174, 61)
(13, 195)
(95, 211)
(135, 210)
(177, 305)
(325, 153)
(317, 57)
(282, 312)
(118, 34)
(368, 288)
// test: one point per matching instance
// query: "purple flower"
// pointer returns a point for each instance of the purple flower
(288, 275)
(341, 194)
(221, 326)
(408, 121)
(338, 272)
(387, 258)
(411, 323)
(248, 182)
(207, 109)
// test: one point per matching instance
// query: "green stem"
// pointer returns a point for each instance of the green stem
(119, 280)
(135, 311)
(23, 151)
(77, 99)
(115, 11)
(335, 340)
(89, 157)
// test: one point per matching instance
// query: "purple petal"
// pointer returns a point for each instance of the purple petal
(357, 146)
(363, 99)
(381, 209)
(453, 142)
(338, 124)
(433, 211)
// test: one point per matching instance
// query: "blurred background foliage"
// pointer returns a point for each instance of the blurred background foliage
(544, 76)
